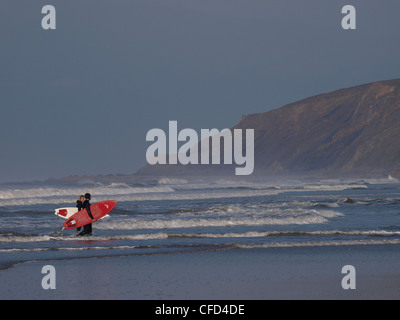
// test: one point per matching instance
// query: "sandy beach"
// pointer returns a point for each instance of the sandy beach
(236, 274)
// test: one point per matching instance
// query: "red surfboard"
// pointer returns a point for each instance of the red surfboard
(98, 210)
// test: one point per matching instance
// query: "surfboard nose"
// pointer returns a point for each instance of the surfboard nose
(112, 204)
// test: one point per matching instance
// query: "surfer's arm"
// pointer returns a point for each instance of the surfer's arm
(89, 212)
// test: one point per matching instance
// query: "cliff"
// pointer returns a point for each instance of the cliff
(352, 130)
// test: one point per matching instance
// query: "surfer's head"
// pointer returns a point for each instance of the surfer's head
(81, 197)
(88, 196)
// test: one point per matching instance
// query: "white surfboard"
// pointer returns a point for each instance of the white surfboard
(66, 213)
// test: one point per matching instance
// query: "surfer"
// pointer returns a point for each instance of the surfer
(87, 229)
(79, 205)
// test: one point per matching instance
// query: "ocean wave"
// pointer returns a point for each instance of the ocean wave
(61, 196)
(66, 249)
(92, 243)
(297, 234)
(51, 238)
(317, 244)
(226, 215)
(336, 243)
(144, 194)
(165, 189)
(112, 189)
(138, 224)
(334, 187)
(172, 181)
(263, 234)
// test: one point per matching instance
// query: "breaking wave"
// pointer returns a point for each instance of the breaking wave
(138, 224)
(163, 189)
(112, 189)
(18, 238)
(107, 242)
(318, 244)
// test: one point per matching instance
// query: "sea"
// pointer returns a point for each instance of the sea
(170, 216)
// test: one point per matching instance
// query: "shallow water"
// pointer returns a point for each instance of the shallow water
(171, 216)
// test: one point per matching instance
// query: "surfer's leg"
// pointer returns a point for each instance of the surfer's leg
(87, 230)
(84, 229)
(79, 233)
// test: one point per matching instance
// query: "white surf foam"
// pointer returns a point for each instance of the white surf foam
(172, 181)
(333, 187)
(221, 246)
(67, 249)
(152, 194)
(112, 189)
(263, 234)
(216, 235)
(318, 244)
(48, 238)
(167, 189)
(21, 197)
(138, 224)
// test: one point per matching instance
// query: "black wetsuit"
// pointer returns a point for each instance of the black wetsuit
(79, 205)
(87, 230)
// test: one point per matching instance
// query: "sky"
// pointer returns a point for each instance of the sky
(79, 100)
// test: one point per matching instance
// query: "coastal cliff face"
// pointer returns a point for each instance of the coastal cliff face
(355, 129)
(352, 130)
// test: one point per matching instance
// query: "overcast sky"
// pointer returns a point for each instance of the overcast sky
(80, 99)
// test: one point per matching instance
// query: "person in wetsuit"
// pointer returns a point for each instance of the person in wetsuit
(87, 230)
(79, 205)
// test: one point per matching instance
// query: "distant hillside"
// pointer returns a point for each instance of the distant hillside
(351, 130)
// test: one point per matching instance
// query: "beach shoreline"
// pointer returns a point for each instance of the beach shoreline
(232, 274)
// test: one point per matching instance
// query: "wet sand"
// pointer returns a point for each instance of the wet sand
(235, 274)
